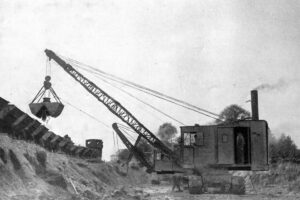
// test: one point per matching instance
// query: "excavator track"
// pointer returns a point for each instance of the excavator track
(20, 125)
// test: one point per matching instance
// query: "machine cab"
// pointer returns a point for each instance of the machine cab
(242, 145)
(239, 145)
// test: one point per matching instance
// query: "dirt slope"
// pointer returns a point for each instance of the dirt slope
(27, 171)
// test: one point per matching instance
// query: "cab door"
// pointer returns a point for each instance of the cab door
(188, 150)
(259, 143)
(225, 145)
(188, 155)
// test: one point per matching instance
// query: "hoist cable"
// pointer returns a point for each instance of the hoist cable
(156, 109)
(121, 126)
(117, 139)
(169, 100)
(38, 94)
(113, 85)
(129, 137)
(128, 133)
(126, 130)
(144, 91)
(125, 127)
(163, 97)
(154, 95)
(91, 116)
(142, 88)
(114, 139)
(41, 95)
(130, 94)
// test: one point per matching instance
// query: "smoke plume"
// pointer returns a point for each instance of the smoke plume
(280, 84)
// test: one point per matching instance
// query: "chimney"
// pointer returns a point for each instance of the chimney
(254, 105)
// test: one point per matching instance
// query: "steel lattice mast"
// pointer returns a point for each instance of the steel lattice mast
(133, 149)
(112, 105)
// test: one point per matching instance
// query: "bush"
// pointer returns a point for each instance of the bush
(123, 154)
(281, 174)
(41, 157)
(283, 149)
(15, 161)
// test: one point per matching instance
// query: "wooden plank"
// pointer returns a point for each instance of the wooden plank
(16, 112)
(13, 114)
(3, 103)
(30, 125)
(73, 148)
(63, 143)
(42, 133)
(33, 127)
(47, 135)
(55, 139)
(36, 131)
(19, 120)
(84, 151)
(79, 150)
(87, 152)
(68, 147)
(5, 111)
(24, 123)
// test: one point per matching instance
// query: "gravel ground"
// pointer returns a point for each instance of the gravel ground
(165, 193)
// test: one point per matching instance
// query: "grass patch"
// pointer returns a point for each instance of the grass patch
(280, 174)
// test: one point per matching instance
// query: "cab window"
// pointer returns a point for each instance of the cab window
(190, 139)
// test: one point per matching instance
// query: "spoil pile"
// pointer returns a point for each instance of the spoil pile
(28, 171)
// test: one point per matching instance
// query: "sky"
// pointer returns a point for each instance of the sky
(208, 53)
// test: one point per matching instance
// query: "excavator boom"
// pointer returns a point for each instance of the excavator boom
(133, 149)
(112, 105)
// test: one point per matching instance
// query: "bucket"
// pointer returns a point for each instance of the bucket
(46, 109)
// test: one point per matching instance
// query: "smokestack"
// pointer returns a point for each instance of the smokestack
(254, 105)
